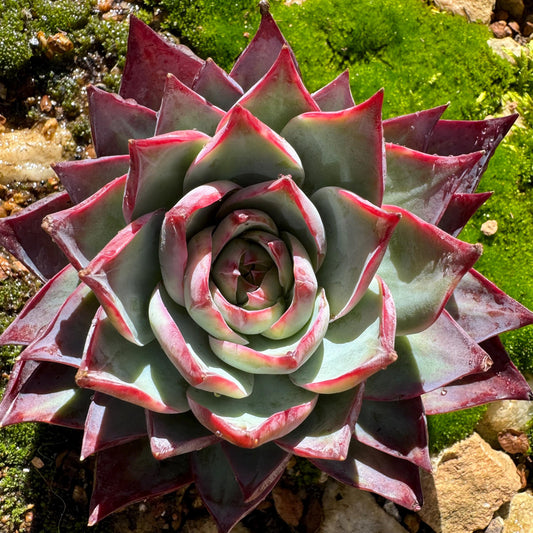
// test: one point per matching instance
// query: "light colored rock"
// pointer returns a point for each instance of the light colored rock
(520, 518)
(502, 415)
(473, 10)
(515, 8)
(495, 526)
(349, 510)
(507, 48)
(471, 481)
(26, 155)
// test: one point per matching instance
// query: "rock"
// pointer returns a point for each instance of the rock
(208, 525)
(26, 155)
(527, 29)
(502, 416)
(507, 48)
(500, 29)
(495, 526)
(520, 518)
(515, 27)
(470, 483)
(489, 227)
(288, 505)
(513, 441)
(349, 510)
(515, 8)
(473, 10)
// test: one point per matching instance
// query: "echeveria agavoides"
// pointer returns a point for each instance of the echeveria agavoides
(249, 271)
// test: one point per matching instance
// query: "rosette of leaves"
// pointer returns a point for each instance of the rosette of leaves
(248, 271)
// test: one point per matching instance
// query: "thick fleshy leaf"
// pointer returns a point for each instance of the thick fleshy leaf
(64, 338)
(219, 490)
(183, 109)
(150, 58)
(83, 178)
(440, 354)
(44, 392)
(455, 137)
(357, 233)
(114, 121)
(32, 321)
(336, 95)
(256, 470)
(187, 347)
(193, 212)
(216, 86)
(245, 151)
(343, 149)
(483, 310)
(355, 346)
(266, 356)
(413, 130)
(261, 53)
(397, 428)
(124, 274)
(289, 207)
(370, 469)
(327, 432)
(502, 381)
(280, 95)
(129, 473)
(460, 209)
(424, 184)
(22, 235)
(172, 435)
(84, 229)
(157, 169)
(141, 375)
(111, 422)
(420, 255)
(257, 419)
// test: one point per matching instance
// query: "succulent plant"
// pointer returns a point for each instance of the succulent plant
(248, 271)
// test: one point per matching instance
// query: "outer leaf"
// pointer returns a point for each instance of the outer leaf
(245, 151)
(265, 356)
(483, 310)
(172, 435)
(22, 235)
(141, 375)
(370, 469)
(261, 53)
(31, 322)
(124, 274)
(85, 177)
(289, 207)
(280, 95)
(183, 109)
(216, 86)
(424, 184)
(150, 58)
(84, 229)
(357, 233)
(460, 209)
(327, 432)
(259, 418)
(419, 256)
(397, 428)
(111, 422)
(129, 473)
(193, 212)
(355, 346)
(64, 338)
(219, 489)
(44, 392)
(344, 148)
(502, 381)
(413, 130)
(157, 169)
(114, 121)
(427, 360)
(336, 95)
(186, 345)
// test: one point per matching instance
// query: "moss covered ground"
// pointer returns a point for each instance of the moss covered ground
(421, 57)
